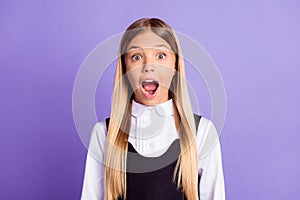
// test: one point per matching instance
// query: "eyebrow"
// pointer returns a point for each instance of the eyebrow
(133, 47)
(137, 47)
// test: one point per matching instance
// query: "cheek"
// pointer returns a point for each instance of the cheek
(128, 64)
(166, 76)
(171, 62)
(129, 72)
(132, 78)
(133, 68)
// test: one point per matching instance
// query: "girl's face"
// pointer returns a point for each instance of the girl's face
(150, 66)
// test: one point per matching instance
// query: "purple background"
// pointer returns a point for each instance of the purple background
(255, 45)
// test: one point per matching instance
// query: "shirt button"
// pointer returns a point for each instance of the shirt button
(151, 144)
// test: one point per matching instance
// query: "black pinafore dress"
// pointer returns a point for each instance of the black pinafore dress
(152, 178)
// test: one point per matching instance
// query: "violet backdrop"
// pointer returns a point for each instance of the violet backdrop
(255, 44)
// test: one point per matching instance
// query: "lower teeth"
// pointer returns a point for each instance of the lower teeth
(150, 91)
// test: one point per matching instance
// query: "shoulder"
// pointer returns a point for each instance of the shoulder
(98, 140)
(99, 132)
(99, 127)
(207, 137)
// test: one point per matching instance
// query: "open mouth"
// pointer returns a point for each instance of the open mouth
(149, 88)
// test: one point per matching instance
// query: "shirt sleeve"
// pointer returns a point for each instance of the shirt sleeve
(211, 186)
(93, 183)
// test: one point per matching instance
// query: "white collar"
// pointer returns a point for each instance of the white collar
(164, 109)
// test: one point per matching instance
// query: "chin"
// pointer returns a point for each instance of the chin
(157, 99)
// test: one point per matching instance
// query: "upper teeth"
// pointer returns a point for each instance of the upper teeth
(149, 81)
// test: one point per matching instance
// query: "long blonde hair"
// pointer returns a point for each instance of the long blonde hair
(185, 171)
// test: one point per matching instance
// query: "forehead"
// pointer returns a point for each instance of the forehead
(148, 39)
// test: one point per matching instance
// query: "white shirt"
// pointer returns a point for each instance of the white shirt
(152, 132)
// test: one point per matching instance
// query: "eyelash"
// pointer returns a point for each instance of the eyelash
(164, 55)
(133, 57)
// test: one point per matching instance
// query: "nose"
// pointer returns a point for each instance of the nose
(149, 62)
(148, 68)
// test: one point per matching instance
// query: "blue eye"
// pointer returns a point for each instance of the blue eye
(136, 57)
(161, 56)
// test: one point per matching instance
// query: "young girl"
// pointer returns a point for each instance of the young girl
(151, 146)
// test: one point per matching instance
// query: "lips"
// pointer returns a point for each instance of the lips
(149, 88)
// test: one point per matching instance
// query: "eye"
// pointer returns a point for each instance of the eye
(161, 56)
(136, 57)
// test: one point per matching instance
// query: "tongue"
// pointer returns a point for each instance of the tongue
(150, 86)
